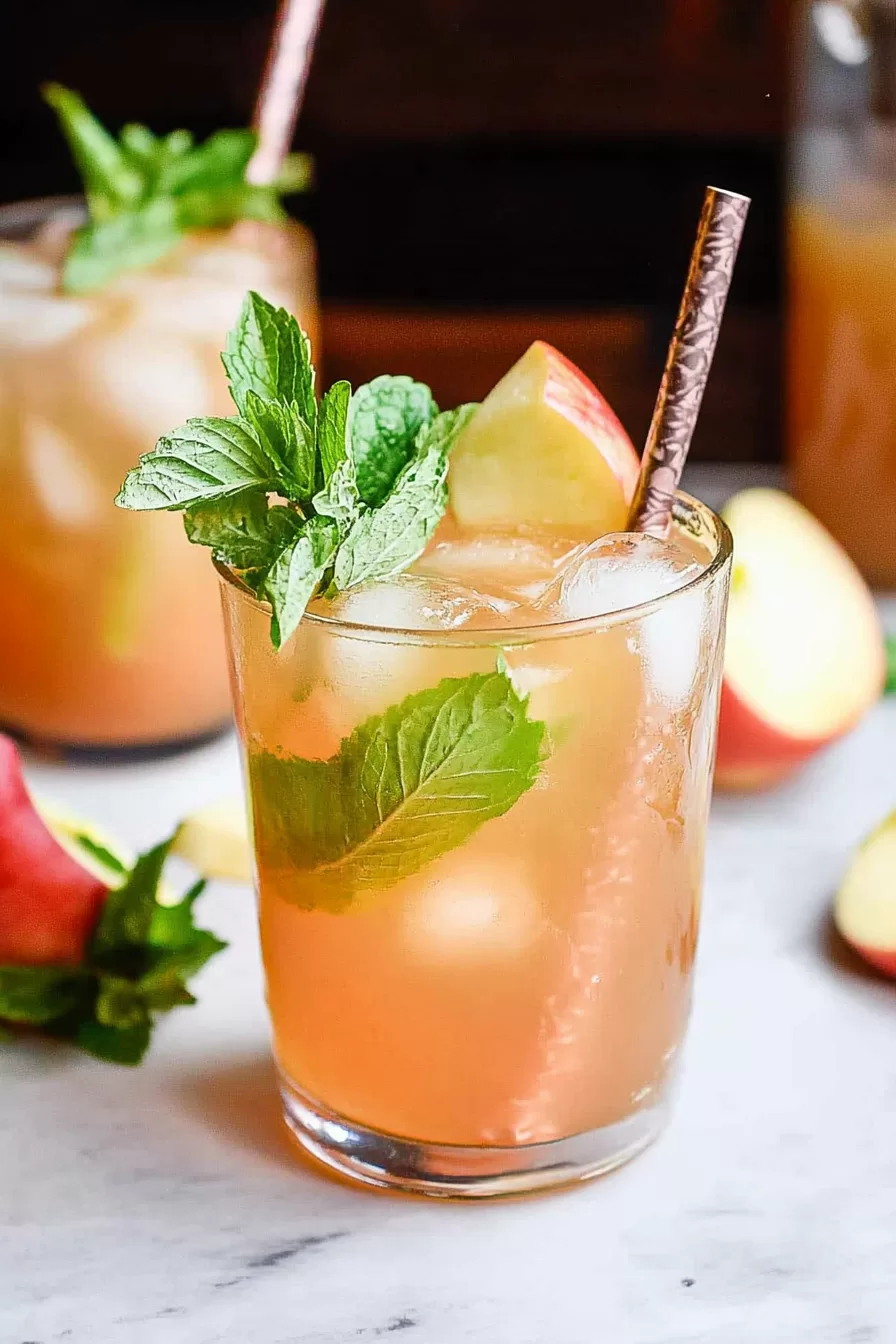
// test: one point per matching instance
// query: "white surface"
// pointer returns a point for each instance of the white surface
(163, 1206)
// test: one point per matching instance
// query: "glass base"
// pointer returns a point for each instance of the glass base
(454, 1171)
(124, 753)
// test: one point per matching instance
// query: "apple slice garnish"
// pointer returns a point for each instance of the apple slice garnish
(544, 450)
(215, 841)
(804, 654)
(865, 908)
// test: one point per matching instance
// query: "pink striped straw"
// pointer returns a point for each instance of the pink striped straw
(283, 86)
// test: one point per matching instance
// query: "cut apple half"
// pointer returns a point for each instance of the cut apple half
(865, 908)
(544, 450)
(804, 648)
(215, 841)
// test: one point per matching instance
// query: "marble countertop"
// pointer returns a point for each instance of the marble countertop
(164, 1206)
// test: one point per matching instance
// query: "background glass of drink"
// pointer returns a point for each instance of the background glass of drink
(111, 630)
(510, 1016)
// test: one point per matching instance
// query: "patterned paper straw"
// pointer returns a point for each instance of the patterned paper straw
(689, 359)
(283, 85)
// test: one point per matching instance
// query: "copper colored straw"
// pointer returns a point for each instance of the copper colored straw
(282, 86)
(689, 359)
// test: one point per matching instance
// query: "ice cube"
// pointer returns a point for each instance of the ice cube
(522, 565)
(22, 270)
(621, 570)
(63, 482)
(367, 675)
(474, 910)
(146, 381)
(30, 319)
(414, 603)
(671, 646)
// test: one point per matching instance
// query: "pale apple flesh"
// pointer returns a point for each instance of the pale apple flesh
(544, 450)
(865, 908)
(804, 653)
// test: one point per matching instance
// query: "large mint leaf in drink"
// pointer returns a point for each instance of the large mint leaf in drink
(268, 353)
(152, 189)
(406, 787)
(203, 459)
(384, 420)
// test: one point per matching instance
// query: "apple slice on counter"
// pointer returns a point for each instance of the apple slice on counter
(804, 654)
(865, 908)
(545, 450)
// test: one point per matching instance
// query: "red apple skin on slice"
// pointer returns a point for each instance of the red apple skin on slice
(49, 904)
(865, 908)
(544, 450)
(805, 653)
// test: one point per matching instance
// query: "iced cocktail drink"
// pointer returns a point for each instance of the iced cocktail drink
(511, 1013)
(111, 625)
(478, 726)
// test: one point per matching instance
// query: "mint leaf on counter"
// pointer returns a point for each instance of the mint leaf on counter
(384, 541)
(144, 192)
(384, 419)
(136, 965)
(890, 684)
(406, 787)
(201, 460)
(36, 995)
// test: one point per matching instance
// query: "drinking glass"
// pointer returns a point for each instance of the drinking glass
(510, 1015)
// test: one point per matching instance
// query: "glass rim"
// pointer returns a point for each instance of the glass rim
(31, 212)
(684, 506)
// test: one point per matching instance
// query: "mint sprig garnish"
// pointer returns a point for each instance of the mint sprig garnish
(301, 498)
(404, 788)
(136, 965)
(144, 192)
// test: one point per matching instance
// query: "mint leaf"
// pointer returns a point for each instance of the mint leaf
(111, 862)
(296, 574)
(35, 995)
(155, 188)
(446, 428)
(115, 1045)
(128, 913)
(124, 242)
(120, 1004)
(243, 530)
(384, 420)
(203, 459)
(269, 354)
(339, 499)
(110, 180)
(890, 685)
(386, 540)
(405, 788)
(332, 431)
(290, 439)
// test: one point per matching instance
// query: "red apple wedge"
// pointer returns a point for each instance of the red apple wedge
(804, 648)
(865, 908)
(49, 902)
(545, 450)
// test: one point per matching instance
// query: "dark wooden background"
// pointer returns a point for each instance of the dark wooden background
(488, 171)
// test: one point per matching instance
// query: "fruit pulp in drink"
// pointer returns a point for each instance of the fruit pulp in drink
(111, 623)
(533, 982)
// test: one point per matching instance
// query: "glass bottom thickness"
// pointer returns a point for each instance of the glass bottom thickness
(453, 1171)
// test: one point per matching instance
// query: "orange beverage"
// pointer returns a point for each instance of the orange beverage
(507, 1013)
(111, 629)
(842, 369)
